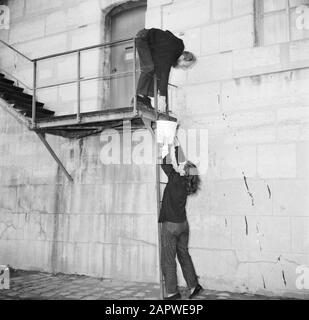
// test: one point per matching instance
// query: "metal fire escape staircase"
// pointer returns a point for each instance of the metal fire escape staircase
(26, 109)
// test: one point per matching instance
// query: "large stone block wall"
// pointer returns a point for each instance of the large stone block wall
(250, 221)
(104, 224)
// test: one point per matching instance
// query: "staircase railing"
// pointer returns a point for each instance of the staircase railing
(15, 50)
(79, 79)
(27, 86)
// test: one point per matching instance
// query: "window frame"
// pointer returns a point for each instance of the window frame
(259, 16)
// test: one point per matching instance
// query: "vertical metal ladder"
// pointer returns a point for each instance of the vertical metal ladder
(159, 184)
(158, 188)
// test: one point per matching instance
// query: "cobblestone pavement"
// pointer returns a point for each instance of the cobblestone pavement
(43, 286)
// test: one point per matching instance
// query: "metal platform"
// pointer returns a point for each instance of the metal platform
(95, 122)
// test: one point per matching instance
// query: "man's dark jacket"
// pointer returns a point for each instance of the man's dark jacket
(166, 49)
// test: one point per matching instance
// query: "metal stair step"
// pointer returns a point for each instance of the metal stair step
(28, 108)
(12, 94)
(19, 98)
(9, 87)
(39, 115)
(4, 80)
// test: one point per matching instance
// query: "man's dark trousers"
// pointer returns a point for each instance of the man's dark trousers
(175, 240)
(145, 84)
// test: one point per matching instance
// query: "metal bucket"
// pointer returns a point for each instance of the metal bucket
(166, 131)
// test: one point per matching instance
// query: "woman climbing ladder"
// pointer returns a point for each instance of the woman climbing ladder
(182, 182)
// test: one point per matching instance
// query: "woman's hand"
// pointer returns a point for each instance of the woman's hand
(164, 151)
(176, 142)
(173, 157)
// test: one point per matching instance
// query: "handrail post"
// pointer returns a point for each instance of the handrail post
(34, 93)
(15, 50)
(155, 94)
(167, 103)
(78, 86)
(134, 76)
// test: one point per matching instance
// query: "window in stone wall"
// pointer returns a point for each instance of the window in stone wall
(281, 21)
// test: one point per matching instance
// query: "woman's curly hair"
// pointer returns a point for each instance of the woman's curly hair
(193, 181)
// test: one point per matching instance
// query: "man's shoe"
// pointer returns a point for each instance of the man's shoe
(142, 102)
(147, 99)
(147, 102)
(199, 289)
(139, 102)
(176, 296)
